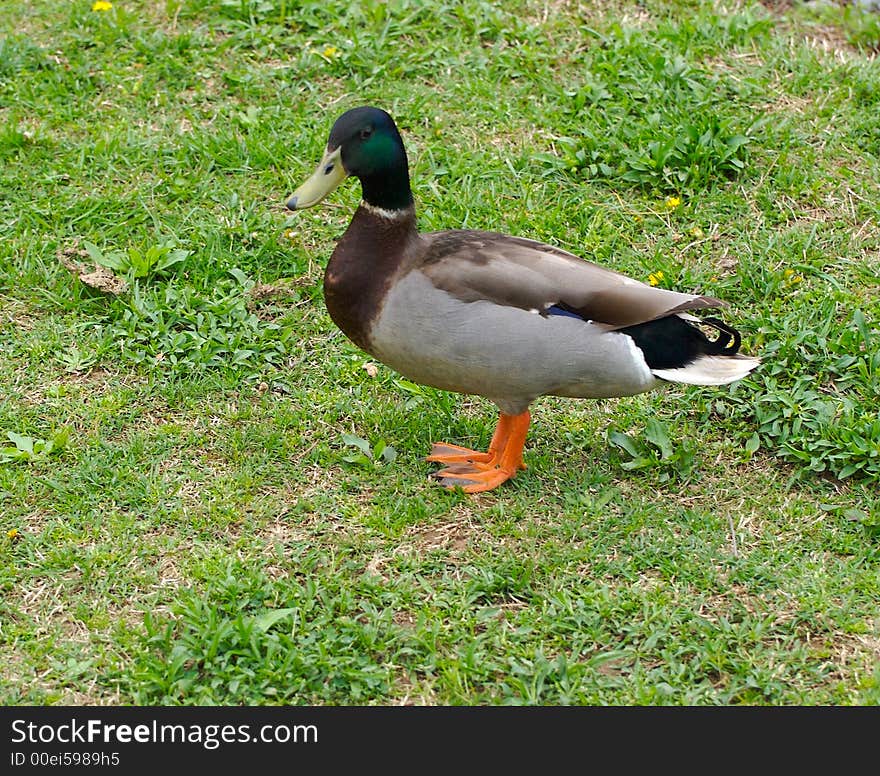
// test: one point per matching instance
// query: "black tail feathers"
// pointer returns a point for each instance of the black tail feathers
(673, 342)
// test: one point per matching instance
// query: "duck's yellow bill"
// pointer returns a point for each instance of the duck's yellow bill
(329, 174)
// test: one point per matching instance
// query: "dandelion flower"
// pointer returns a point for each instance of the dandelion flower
(12, 533)
(655, 277)
(101, 5)
(672, 202)
(330, 52)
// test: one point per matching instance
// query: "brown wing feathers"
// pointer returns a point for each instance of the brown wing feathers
(522, 273)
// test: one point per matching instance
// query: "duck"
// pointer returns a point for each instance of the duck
(488, 314)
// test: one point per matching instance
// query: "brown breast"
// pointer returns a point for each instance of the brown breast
(373, 252)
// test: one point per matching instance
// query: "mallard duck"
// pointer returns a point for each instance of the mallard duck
(503, 317)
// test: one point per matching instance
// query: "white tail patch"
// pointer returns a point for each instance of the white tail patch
(710, 370)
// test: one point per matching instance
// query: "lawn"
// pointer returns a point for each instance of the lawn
(208, 495)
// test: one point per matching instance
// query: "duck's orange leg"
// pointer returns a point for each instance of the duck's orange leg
(474, 471)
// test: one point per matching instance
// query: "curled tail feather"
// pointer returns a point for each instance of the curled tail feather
(728, 341)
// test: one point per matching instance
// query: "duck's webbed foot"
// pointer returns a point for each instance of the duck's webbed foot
(475, 471)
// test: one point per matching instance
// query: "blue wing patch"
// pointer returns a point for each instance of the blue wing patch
(557, 310)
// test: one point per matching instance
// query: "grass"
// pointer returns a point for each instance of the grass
(208, 495)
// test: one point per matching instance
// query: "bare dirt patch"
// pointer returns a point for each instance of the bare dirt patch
(95, 276)
(454, 537)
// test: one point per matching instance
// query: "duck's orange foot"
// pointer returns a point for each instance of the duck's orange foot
(443, 452)
(476, 472)
(473, 477)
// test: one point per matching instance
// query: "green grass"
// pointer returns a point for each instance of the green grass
(208, 495)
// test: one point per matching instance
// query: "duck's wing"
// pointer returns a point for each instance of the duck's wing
(517, 272)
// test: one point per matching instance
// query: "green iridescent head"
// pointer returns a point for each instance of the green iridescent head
(365, 144)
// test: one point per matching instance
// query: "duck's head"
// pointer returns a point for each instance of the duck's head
(366, 144)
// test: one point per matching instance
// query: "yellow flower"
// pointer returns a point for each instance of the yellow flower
(672, 202)
(655, 277)
(330, 52)
(12, 533)
(101, 5)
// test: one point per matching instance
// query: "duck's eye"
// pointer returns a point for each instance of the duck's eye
(366, 132)
(328, 169)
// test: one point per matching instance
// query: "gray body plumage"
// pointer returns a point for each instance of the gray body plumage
(449, 345)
